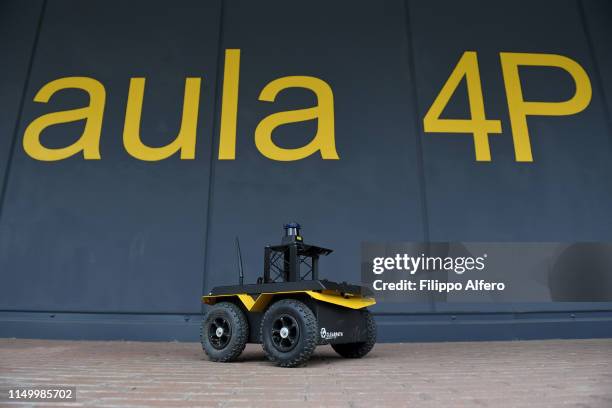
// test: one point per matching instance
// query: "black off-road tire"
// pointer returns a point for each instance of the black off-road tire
(358, 350)
(224, 349)
(304, 328)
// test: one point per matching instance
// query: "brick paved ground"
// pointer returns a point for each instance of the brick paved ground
(574, 373)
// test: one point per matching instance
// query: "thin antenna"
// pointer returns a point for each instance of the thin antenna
(240, 269)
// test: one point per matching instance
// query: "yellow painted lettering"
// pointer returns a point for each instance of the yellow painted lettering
(89, 142)
(185, 142)
(519, 109)
(324, 139)
(229, 106)
(477, 125)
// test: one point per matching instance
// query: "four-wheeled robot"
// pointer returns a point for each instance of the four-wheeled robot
(289, 310)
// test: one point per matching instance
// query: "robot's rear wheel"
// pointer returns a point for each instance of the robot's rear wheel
(358, 350)
(224, 332)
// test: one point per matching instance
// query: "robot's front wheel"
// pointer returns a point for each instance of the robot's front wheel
(289, 333)
(224, 332)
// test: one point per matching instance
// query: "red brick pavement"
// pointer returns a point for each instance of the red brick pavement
(552, 373)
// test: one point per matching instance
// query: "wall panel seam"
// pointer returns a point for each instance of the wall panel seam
(418, 132)
(417, 127)
(596, 68)
(213, 145)
(26, 84)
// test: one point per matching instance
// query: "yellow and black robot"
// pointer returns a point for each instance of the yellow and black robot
(289, 310)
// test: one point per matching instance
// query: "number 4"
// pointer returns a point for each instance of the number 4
(478, 125)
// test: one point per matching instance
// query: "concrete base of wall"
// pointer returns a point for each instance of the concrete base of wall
(391, 327)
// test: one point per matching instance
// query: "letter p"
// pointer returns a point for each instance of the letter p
(519, 109)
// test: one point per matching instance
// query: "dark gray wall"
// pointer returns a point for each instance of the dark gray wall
(18, 28)
(89, 248)
(116, 234)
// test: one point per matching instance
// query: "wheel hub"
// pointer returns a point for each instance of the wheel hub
(285, 333)
(219, 332)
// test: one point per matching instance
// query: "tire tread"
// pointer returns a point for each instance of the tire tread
(241, 331)
(310, 341)
(358, 350)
